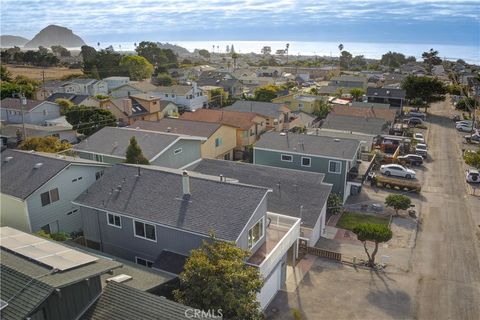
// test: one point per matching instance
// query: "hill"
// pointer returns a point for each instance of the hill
(55, 35)
(8, 41)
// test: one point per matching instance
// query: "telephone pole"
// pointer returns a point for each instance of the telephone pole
(23, 102)
(43, 84)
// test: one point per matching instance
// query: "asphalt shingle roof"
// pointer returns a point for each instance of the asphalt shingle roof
(268, 109)
(242, 120)
(121, 302)
(19, 178)
(76, 99)
(188, 127)
(355, 124)
(309, 144)
(386, 93)
(15, 104)
(170, 261)
(386, 114)
(114, 141)
(291, 188)
(212, 206)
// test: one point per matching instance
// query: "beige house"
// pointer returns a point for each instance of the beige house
(300, 102)
(220, 139)
(135, 107)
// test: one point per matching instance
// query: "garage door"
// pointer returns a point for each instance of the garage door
(271, 287)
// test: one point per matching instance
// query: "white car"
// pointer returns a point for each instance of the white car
(464, 127)
(419, 137)
(397, 170)
(467, 122)
(472, 176)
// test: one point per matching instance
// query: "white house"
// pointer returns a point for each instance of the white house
(190, 97)
(115, 82)
(34, 111)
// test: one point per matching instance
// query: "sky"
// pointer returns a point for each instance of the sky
(403, 21)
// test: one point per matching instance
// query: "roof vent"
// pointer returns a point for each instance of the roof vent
(152, 97)
(120, 278)
(137, 128)
(283, 134)
(7, 159)
(168, 129)
(336, 140)
(38, 165)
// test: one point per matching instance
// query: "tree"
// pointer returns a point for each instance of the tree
(216, 277)
(377, 233)
(88, 120)
(345, 59)
(163, 79)
(466, 104)
(60, 51)
(334, 203)
(456, 89)
(425, 88)
(163, 59)
(219, 98)
(472, 158)
(430, 59)
(204, 53)
(398, 202)
(5, 75)
(134, 153)
(65, 104)
(138, 67)
(265, 93)
(357, 93)
(393, 59)
(359, 61)
(322, 109)
(266, 50)
(18, 86)
(45, 144)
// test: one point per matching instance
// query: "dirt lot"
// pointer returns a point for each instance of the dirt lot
(36, 72)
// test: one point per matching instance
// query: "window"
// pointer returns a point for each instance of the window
(252, 132)
(255, 233)
(218, 142)
(177, 151)
(72, 212)
(287, 158)
(166, 95)
(98, 157)
(143, 262)
(145, 230)
(114, 220)
(334, 166)
(306, 162)
(77, 179)
(98, 174)
(173, 96)
(49, 197)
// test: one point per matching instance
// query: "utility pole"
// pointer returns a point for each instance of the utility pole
(23, 101)
(43, 84)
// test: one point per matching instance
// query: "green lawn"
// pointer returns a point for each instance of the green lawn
(350, 219)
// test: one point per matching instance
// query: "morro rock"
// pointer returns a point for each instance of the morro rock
(55, 35)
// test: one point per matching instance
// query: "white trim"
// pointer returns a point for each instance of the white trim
(144, 229)
(165, 149)
(263, 232)
(340, 172)
(258, 206)
(192, 163)
(114, 215)
(102, 154)
(309, 162)
(287, 155)
(308, 154)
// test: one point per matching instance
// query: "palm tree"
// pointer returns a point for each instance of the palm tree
(340, 48)
(286, 49)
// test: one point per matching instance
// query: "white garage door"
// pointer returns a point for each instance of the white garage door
(271, 287)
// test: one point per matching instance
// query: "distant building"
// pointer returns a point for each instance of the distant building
(277, 115)
(115, 82)
(190, 97)
(34, 111)
(76, 99)
(349, 82)
(135, 107)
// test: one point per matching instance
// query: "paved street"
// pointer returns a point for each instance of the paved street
(439, 279)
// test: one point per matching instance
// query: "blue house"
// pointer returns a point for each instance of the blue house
(34, 111)
(333, 157)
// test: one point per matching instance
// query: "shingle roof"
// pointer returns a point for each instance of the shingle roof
(176, 89)
(22, 293)
(291, 188)
(355, 124)
(386, 92)
(242, 120)
(83, 80)
(268, 109)
(121, 302)
(137, 108)
(212, 206)
(19, 178)
(188, 127)
(309, 144)
(370, 105)
(76, 99)
(114, 141)
(170, 261)
(386, 114)
(15, 104)
(349, 78)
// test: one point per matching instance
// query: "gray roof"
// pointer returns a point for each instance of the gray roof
(83, 80)
(307, 144)
(212, 205)
(22, 293)
(327, 89)
(349, 78)
(76, 99)
(122, 302)
(291, 188)
(386, 93)
(15, 104)
(170, 261)
(114, 141)
(370, 105)
(356, 124)
(267, 109)
(188, 127)
(19, 178)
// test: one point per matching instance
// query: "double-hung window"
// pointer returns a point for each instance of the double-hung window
(334, 166)
(143, 262)
(255, 233)
(286, 157)
(218, 142)
(306, 162)
(145, 230)
(49, 197)
(114, 220)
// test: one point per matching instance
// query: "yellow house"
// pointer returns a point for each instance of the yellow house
(220, 139)
(300, 102)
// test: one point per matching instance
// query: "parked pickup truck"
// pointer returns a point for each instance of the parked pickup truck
(421, 149)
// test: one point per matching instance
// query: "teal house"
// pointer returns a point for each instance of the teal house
(331, 156)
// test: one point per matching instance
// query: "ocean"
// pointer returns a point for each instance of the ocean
(469, 53)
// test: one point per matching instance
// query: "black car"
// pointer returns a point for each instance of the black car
(412, 159)
(413, 121)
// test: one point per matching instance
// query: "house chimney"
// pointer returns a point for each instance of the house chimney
(127, 106)
(186, 183)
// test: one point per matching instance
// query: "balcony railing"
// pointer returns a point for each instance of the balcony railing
(281, 233)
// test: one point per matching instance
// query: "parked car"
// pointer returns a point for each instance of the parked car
(412, 159)
(421, 149)
(417, 114)
(472, 138)
(413, 121)
(472, 176)
(464, 122)
(397, 170)
(465, 127)
(419, 137)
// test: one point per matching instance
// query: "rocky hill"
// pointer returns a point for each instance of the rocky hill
(55, 35)
(7, 41)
